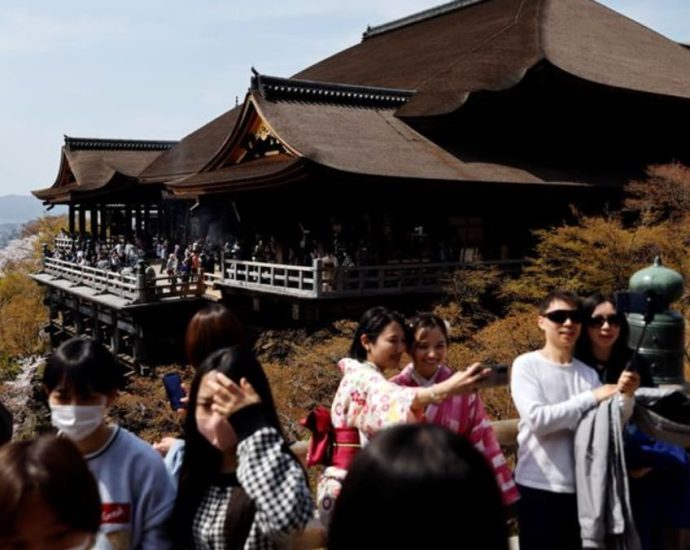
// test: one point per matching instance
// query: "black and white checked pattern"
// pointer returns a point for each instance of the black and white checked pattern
(276, 483)
(207, 528)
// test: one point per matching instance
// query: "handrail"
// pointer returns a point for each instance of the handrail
(323, 281)
(319, 280)
(103, 280)
(277, 278)
(134, 288)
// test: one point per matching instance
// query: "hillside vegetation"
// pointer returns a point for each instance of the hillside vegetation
(21, 300)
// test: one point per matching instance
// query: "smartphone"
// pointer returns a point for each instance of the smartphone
(498, 376)
(174, 389)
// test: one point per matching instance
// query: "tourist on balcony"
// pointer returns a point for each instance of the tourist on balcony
(171, 270)
(240, 485)
(427, 343)
(329, 263)
(185, 269)
(48, 497)
(367, 402)
(81, 379)
(115, 261)
(387, 499)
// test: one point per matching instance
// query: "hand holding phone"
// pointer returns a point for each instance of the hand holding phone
(498, 375)
(174, 390)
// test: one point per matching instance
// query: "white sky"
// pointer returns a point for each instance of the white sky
(159, 69)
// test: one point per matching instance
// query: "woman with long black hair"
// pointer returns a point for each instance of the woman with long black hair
(240, 485)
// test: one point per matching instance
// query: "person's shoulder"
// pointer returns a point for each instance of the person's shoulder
(403, 378)
(526, 359)
(586, 370)
(348, 365)
(132, 444)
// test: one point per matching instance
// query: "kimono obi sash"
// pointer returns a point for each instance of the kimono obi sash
(328, 445)
(345, 446)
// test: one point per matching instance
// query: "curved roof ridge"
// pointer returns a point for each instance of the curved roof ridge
(98, 144)
(417, 17)
(272, 88)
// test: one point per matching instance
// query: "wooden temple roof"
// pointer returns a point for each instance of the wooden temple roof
(348, 129)
(465, 46)
(362, 110)
(193, 151)
(89, 166)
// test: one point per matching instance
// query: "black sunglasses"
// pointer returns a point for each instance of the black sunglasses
(560, 315)
(597, 321)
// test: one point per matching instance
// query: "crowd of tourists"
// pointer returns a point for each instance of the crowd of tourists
(408, 462)
(122, 255)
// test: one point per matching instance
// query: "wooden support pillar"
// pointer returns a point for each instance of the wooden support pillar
(137, 220)
(103, 222)
(71, 219)
(82, 220)
(128, 222)
(78, 323)
(115, 340)
(94, 222)
(139, 352)
(96, 334)
(147, 220)
(162, 229)
(317, 267)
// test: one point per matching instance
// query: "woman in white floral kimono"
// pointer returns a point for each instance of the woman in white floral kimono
(366, 402)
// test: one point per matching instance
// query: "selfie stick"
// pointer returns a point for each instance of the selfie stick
(648, 317)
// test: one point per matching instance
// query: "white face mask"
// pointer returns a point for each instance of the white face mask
(77, 421)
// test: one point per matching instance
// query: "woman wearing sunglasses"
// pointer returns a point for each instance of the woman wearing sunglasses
(658, 472)
(603, 343)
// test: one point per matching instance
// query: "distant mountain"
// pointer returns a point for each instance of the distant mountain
(20, 209)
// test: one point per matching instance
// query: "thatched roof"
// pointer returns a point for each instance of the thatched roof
(96, 165)
(340, 128)
(490, 45)
(193, 151)
(356, 111)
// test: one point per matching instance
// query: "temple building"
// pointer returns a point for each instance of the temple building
(439, 140)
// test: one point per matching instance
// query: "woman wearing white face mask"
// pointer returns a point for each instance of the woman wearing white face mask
(81, 379)
(48, 497)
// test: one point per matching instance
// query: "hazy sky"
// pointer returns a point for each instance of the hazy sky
(159, 69)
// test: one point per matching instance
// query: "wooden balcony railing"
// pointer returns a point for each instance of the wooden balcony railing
(317, 281)
(322, 281)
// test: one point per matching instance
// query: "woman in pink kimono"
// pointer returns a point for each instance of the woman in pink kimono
(366, 402)
(427, 344)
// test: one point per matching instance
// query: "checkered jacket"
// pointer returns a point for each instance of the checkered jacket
(271, 477)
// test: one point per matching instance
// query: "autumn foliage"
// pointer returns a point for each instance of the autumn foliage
(21, 299)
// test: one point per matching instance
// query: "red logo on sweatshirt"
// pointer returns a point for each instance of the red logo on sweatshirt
(116, 512)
